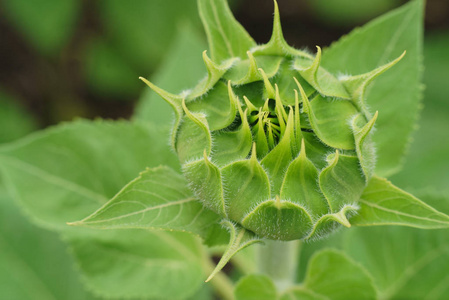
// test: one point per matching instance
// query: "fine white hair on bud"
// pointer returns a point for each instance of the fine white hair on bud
(271, 140)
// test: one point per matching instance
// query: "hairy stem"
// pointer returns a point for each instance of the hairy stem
(279, 260)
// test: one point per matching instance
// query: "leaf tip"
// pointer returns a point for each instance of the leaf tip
(76, 223)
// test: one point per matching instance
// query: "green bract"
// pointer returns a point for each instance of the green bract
(270, 139)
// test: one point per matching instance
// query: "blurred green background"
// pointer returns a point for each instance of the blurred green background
(61, 59)
(82, 58)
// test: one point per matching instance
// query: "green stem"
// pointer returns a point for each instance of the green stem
(279, 260)
(222, 285)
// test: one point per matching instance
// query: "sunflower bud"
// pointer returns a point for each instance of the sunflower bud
(275, 142)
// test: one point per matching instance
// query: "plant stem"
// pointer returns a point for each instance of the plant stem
(223, 286)
(279, 260)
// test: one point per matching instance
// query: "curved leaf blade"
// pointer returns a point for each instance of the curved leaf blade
(34, 263)
(227, 38)
(158, 199)
(411, 263)
(138, 263)
(395, 94)
(60, 174)
(384, 204)
(330, 270)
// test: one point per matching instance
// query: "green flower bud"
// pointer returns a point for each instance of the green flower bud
(275, 142)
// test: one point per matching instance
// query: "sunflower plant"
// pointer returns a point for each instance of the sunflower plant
(274, 150)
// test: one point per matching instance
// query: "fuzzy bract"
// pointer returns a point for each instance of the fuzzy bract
(272, 141)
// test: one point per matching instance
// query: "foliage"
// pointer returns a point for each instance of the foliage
(170, 204)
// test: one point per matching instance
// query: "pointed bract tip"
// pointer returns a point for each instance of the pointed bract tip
(254, 151)
(211, 276)
(243, 116)
(146, 81)
(277, 96)
(317, 60)
(276, 36)
(276, 9)
(334, 161)
(230, 91)
(267, 84)
(210, 64)
(304, 97)
(249, 105)
(233, 98)
(172, 99)
(341, 217)
(395, 61)
(276, 88)
(301, 90)
(368, 126)
(302, 152)
(266, 105)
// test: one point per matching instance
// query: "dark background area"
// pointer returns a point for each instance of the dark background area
(91, 68)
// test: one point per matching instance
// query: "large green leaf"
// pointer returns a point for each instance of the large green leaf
(34, 263)
(405, 263)
(413, 263)
(65, 173)
(384, 204)
(395, 94)
(329, 270)
(158, 199)
(300, 293)
(182, 68)
(138, 263)
(331, 275)
(255, 287)
(227, 38)
(427, 164)
(46, 24)
(15, 122)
